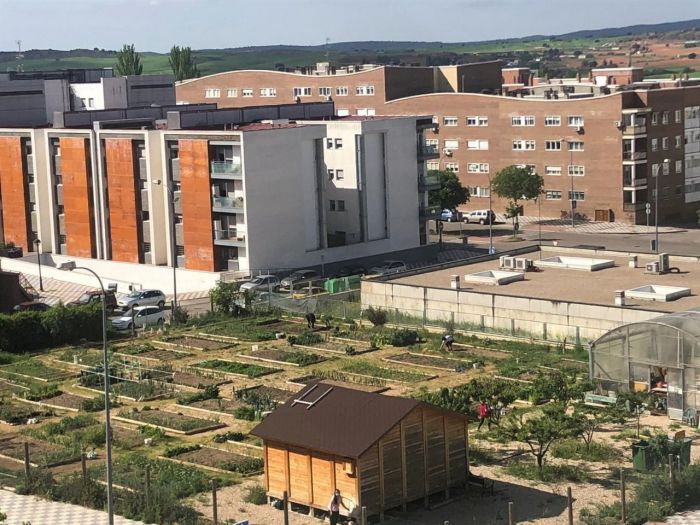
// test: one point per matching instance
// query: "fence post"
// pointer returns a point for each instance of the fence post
(83, 465)
(510, 513)
(215, 510)
(570, 503)
(148, 486)
(285, 502)
(26, 459)
(363, 516)
(623, 497)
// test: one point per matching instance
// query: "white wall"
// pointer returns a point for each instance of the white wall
(87, 91)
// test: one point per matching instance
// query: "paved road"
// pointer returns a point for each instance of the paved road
(37, 511)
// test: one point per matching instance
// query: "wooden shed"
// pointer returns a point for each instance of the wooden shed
(380, 451)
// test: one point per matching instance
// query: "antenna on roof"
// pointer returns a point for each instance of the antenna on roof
(328, 40)
(310, 404)
(19, 55)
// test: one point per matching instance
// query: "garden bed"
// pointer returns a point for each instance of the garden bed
(220, 460)
(284, 357)
(126, 438)
(63, 401)
(340, 346)
(156, 354)
(278, 395)
(368, 369)
(197, 380)
(224, 406)
(41, 453)
(18, 414)
(198, 343)
(365, 383)
(237, 368)
(35, 370)
(169, 421)
(83, 357)
(428, 361)
(134, 391)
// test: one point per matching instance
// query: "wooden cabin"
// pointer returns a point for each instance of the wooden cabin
(381, 452)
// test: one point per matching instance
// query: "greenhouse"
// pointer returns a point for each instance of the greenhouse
(660, 356)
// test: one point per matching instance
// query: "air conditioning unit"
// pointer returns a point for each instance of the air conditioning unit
(447, 152)
(579, 129)
(652, 267)
(521, 263)
(619, 124)
(507, 262)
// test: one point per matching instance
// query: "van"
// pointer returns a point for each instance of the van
(480, 216)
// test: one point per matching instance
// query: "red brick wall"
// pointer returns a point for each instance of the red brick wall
(121, 183)
(198, 228)
(77, 199)
(12, 193)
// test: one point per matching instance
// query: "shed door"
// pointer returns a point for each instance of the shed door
(674, 378)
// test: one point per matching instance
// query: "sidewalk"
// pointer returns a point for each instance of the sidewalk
(37, 511)
(552, 225)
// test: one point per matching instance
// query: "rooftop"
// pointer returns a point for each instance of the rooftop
(578, 286)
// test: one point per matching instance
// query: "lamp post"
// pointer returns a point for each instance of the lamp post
(70, 266)
(173, 255)
(37, 244)
(490, 219)
(656, 204)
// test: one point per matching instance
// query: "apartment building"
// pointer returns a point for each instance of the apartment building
(599, 141)
(276, 187)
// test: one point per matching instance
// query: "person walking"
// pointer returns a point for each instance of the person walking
(484, 415)
(311, 320)
(334, 507)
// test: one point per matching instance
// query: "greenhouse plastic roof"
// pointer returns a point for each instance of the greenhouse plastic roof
(687, 321)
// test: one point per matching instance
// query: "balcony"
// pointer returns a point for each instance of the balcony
(633, 206)
(143, 170)
(639, 128)
(144, 200)
(177, 202)
(634, 155)
(429, 182)
(30, 164)
(426, 152)
(629, 182)
(430, 212)
(228, 204)
(226, 170)
(59, 194)
(175, 169)
(233, 265)
(230, 237)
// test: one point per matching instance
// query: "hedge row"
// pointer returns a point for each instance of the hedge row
(28, 331)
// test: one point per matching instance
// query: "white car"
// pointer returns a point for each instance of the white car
(142, 298)
(262, 283)
(480, 216)
(388, 267)
(140, 317)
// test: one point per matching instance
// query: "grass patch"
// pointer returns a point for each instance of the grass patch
(548, 473)
(234, 367)
(576, 449)
(256, 495)
(368, 369)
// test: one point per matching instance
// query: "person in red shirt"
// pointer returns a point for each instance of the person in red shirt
(484, 415)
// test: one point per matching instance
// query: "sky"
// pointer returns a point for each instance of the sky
(155, 25)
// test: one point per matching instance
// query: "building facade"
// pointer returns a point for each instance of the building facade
(280, 193)
(599, 142)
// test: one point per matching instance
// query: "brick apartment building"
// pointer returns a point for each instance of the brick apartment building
(274, 187)
(600, 141)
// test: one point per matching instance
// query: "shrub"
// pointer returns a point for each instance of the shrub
(39, 392)
(350, 350)
(176, 451)
(376, 316)
(245, 413)
(244, 465)
(96, 404)
(256, 495)
(229, 436)
(305, 339)
(403, 337)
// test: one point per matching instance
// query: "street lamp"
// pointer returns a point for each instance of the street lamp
(173, 255)
(656, 204)
(37, 244)
(69, 266)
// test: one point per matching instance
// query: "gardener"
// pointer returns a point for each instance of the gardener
(311, 320)
(447, 341)
(334, 507)
(484, 414)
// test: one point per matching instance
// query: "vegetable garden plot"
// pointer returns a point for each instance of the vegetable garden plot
(225, 406)
(220, 459)
(278, 395)
(237, 368)
(285, 357)
(41, 453)
(81, 356)
(35, 369)
(172, 421)
(199, 343)
(18, 414)
(366, 368)
(429, 361)
(196, 380)
(64, 400)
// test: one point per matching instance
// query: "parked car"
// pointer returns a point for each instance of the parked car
(450, 216)
(388, 267)
(142, 316)
(347, 271)
(262, 283)
(31, 306)
(480, 216)
(300, 277)
(95, 296)
(143, 298)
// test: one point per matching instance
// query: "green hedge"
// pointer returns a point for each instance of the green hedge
(28, 331)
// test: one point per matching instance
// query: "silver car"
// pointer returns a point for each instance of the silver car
(262, 283)
(388, 267)
(142, 298)
(140, 316)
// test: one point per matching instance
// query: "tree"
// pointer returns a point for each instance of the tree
(182, 63)
(229, 298)
(541, 431)
(517, 183)
(451, 193)
(128, 61)
(591, 419)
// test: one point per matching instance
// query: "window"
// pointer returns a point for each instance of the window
(339, 175)
(343, 112)
(232, 92)
(477, 121)
(664, 143)
(527, 120)
(576, 145)
(655, 169)
(449, 121)
(452, 166)
(341, 91)
(575, 121)
(478, 144)
(654, 144)
(576, 171)
(479, 191)
(552, 145)
(666, 168)
(679, 166)
(552, 170)
(266, 92)
(212, 93)
(366, 112)
(523, 145)
(147, 249)
(248, 93)
(552, 195)
(364, 90)
(341, 205)
(338, 143)
(679, 141)
(679, 116)
(654, 119)
(324, 91)
(331, 174)
(451, 144)
(679, 190)
(552, 120)
(433, 165)
(91, 102)
(476, 167)
(83, 102)
(331, 205)
(577, 195)
(145, 216)
(665, 117)
(432, 142)
(329, 143)
(302, 92)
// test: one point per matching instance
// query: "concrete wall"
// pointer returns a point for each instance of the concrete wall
(538, 318)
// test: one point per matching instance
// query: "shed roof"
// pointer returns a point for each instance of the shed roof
(343, 421)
